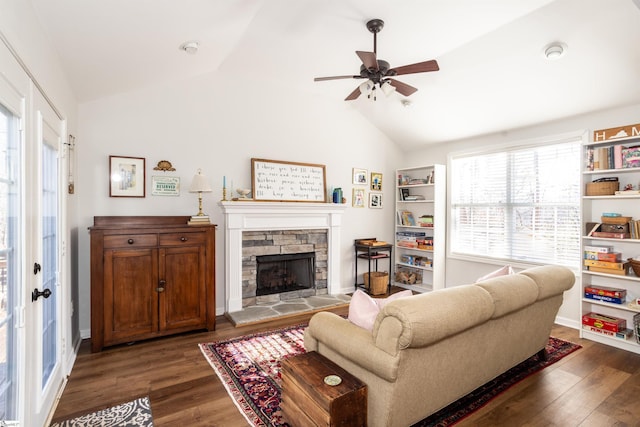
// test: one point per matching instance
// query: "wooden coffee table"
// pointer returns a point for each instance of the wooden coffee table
(307, 399)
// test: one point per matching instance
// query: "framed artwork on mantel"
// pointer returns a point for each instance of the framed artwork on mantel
(126, 176)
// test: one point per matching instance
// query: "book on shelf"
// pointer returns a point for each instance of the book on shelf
(407, 218)
(625, 334)
(604, 298)
(610, 235)
(606, 291)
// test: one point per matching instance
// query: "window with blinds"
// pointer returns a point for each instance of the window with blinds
(520, 204)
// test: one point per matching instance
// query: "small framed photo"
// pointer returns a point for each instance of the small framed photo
(375, 200)
(360, 176)
(358, 198)
(165, 185)
(376, 181)
(126, 176)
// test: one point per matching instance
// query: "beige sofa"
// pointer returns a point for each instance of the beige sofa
(429, 350)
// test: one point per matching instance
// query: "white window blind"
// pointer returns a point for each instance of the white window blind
(520, 204)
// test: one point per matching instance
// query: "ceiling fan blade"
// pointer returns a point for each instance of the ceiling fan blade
(420, 67)
(353, 95)
(402, 88)
(368, 59)
(321, 79)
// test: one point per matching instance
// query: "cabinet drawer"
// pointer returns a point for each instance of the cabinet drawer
(130, 240)
(173, 239)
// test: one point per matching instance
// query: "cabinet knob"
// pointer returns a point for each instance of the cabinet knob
(161, 284)
(183, 239)
(130, 241)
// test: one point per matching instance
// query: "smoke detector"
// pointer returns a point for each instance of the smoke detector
(191, 47)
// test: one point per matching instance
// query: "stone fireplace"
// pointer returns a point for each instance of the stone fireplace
(255, 229)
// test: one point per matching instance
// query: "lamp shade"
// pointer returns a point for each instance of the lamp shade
(199, 184)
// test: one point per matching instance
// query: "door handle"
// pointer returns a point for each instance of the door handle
(37, 294)
(36, 268)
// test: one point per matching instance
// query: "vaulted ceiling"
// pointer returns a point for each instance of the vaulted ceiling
(493, 74)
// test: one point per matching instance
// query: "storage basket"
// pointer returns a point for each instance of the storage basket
(376, 282)
(607, 188)
(635, 266)
(636, 326)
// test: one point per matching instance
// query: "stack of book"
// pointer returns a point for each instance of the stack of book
(199, 220)
(606, 294)
(603, 259)
(410, 239)
(606, 325)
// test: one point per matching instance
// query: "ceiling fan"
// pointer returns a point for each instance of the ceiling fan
(378, 72)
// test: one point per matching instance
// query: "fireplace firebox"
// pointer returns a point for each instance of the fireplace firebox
(285, 272)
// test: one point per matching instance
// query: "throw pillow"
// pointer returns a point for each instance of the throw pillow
(504, 271)
(363, 309)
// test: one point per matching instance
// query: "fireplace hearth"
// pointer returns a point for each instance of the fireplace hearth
(284, 273)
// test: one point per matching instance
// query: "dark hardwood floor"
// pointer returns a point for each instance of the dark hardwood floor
(595, 386)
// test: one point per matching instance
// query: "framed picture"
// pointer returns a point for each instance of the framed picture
(375, 200)
(358, 198)
(376, 181)
(126, 176)
(165, 186)
(360, 176)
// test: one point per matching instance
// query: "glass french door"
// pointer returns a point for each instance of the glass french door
(10, 261)
(44, 307)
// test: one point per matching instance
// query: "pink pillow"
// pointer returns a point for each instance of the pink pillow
(363, 309)
(504, 271)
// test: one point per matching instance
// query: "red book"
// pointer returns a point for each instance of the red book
(608, 323)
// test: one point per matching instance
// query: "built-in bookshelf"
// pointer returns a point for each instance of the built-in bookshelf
(610, 211)
(420, 226)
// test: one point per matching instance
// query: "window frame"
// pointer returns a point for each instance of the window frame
(579, 137)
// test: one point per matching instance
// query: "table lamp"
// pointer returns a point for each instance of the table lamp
(199, 185)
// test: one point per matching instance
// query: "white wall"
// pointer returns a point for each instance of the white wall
(462, 271)
(218, 123)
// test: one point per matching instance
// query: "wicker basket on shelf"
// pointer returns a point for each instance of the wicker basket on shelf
(607, 188)
(635, 266)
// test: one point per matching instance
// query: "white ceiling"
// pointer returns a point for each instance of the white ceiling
(492, 77)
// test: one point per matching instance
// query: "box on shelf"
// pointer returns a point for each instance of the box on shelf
(600, 321)
(631, 157)
(606, 291)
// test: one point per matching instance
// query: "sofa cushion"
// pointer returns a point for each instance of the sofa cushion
(433, 316)
(363, 309)
(510, 293)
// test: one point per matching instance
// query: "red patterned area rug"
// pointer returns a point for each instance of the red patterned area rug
(249, 368)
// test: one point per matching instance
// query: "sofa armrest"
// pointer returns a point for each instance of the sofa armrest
(329, 331)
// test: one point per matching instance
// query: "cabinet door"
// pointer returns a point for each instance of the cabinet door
(183, 301)
(130, 296)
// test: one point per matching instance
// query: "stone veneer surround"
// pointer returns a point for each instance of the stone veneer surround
(277, 242)
(258, 216)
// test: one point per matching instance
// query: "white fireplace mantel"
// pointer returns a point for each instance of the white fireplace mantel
(255, 216)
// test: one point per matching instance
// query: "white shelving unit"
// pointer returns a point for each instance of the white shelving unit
(427, 186)
(592, 209)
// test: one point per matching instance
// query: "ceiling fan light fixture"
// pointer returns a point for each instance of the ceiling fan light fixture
(387, 88)
(366, 87)
(555, 50)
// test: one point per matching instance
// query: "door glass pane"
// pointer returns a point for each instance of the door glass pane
(9, 260)
(49, 259)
